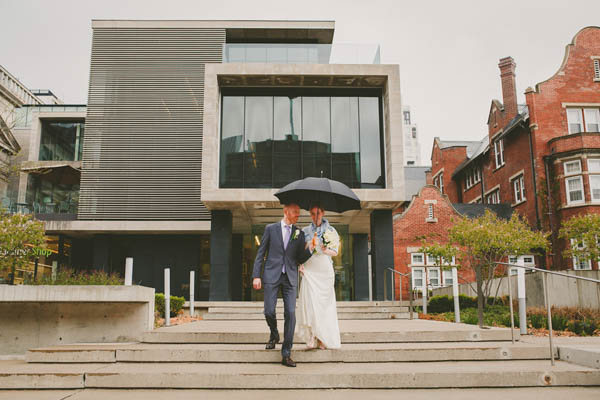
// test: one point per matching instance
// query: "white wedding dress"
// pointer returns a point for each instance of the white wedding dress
(317, 313)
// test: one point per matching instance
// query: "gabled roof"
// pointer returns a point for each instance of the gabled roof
(503, 211)
(482, 148)
(447, 144)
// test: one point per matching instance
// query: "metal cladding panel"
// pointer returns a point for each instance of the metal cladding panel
(142, 155)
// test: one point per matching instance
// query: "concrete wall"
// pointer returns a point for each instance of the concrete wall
(563, 291)
(37, 316)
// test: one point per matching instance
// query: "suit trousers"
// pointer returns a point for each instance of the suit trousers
(289, 306)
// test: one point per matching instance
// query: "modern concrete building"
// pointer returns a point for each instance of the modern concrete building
(412, 145)
(192, 126)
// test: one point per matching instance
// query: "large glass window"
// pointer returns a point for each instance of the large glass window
(345, 140)
(232, 136)
(258, 143)
(287, 143)
(316, 138)
(46, 197)
(61, 141)
(270, 141)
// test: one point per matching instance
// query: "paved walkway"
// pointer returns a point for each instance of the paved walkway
(555, 393)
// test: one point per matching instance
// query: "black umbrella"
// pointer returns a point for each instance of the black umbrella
(330, 195)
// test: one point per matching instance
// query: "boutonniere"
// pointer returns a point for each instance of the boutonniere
(296, 234)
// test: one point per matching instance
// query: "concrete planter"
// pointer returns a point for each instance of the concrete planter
(35, 316)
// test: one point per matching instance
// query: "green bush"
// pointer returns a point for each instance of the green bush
(176, 304)
(465, 301)
(559, 322)
(72, 277)
(585, 327)
(440, 304)
(538, 321)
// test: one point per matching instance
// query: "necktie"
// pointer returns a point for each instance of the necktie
(286, 238)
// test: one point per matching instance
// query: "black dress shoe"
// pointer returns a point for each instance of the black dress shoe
(272, 342)
(288, 362)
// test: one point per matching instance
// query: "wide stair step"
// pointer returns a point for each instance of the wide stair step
(341, 315)
(365, 353)
(456, 374)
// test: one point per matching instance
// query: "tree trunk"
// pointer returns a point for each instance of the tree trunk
(478, 275)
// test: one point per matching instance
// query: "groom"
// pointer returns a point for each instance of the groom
(284, 245)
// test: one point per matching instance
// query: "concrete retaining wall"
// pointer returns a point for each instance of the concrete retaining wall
(37, 316)
(564, 292)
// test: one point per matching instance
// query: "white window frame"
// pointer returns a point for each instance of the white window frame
(441, 182)
(430, 260)
(571, 114)
(412, 259)
(596, 64)
(447, 277)
(592, 113)
(594, 185)
(519, 189)
(566, 165)
(493, 198)
(499, 152)
(568, 191)
(576, 263)
(439, 276)
(515, 260)
(594, 165)
(413, 277)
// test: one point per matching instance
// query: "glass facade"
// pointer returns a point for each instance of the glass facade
(268, 141)
(46, 197)
(61, 141)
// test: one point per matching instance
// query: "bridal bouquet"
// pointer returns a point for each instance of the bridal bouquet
(331, 240)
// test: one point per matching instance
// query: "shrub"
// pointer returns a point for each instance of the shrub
(72, 277)
(538, 321)
(559, 322)
(176, 304)
(470, 318)
(465, 301)
(440, 304)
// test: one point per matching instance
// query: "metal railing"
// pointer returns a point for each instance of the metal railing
(546, 297)
(410, 293)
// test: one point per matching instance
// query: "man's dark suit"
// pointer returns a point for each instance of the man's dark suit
(273, 278)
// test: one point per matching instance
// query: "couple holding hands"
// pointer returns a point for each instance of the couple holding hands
(286, 250)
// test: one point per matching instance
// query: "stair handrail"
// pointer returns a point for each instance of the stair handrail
(546, 296)
(410, 297)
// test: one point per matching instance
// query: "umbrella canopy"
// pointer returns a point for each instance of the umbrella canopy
(329, 194)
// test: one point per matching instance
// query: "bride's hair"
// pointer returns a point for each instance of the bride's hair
(318, 205)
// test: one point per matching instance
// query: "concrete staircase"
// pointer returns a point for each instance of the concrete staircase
(229, 353)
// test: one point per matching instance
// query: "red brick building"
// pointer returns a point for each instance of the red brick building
(542, 158)
(430, 213)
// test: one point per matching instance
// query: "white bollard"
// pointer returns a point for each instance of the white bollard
(425, 291)
(192, 286)
(167, 296)
(455, 295)
(128, 271)
(522, 297)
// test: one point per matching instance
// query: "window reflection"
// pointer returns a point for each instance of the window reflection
(61, 141)
(270, 141)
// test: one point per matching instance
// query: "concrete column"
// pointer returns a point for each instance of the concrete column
(360, 256)
(237, 251)
(220, 255)
(382, 251)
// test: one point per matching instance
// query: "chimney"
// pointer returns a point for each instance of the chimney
(509, 90)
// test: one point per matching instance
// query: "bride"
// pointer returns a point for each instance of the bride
(317, 313)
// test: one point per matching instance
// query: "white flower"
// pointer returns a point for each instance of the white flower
(331, 239)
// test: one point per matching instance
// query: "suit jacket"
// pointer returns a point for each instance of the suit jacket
(271, 245)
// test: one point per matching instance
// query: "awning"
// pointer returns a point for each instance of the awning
(60, 173)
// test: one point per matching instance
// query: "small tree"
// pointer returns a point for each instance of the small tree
(19, 233)
(583, 232)
(481, 242)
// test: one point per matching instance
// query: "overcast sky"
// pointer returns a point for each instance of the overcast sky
(448, 51)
